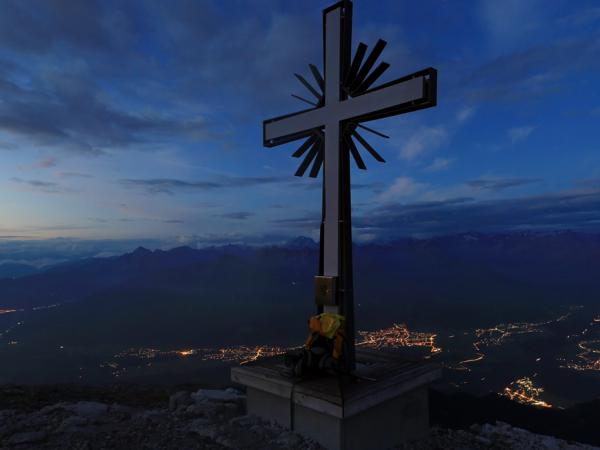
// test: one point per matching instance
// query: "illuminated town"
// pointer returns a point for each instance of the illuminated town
(242, 354)
(394, 336)
(398, 336)
(588, 357)
(585, 355)
(524, 391)
(498, 334)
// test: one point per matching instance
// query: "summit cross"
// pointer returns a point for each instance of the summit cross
(345, 101)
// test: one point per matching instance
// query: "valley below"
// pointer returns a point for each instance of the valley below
(551, 363)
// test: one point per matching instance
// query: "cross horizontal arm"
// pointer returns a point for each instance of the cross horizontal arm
(288, 128)
(415, 91)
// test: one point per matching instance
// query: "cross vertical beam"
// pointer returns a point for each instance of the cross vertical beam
(332, 25)
(336, 236)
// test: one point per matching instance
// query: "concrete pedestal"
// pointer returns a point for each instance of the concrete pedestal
(345, 412)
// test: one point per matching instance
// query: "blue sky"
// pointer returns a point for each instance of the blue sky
(123, 120)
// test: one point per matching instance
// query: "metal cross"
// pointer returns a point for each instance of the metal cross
(345, 102)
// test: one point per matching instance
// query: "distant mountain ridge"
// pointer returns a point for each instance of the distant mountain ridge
(302, 242)
(566, 258)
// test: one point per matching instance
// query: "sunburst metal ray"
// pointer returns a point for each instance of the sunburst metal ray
(310, 141)
(368, 65)
(378, 133)
(355, 154)
(367, 146)
(382, 67)
(316, 167)
(317, 76)
(305, 100)
(356, 62)
(308, 159)
(308, 86)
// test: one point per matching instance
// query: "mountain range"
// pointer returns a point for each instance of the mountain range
(186, 295)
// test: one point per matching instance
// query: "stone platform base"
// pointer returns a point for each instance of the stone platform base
(385, 405)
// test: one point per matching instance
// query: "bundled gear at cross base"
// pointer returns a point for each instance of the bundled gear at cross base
(324, 349)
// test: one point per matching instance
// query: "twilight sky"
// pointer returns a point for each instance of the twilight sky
(126, 119)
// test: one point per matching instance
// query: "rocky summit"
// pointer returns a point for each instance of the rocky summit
(207, 419)
(202, 419)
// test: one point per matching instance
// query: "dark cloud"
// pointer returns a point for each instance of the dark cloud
(46, 163)
(170, 185)
(591, 183)
(498, 184)
(579, 18)
(422, 206)
(375, 186)
(79, 24)
(245, 55)
(74, 175)
(573, 210)
(240, 215)
(95, 76)
(532, 72)
(311, 184)
(48, 187)
(66, 227)
(148, 219)
(235, 238)
(251, 181)
(64, 109)
(42, 252)
(8, 146)
(110, 76)
(82, 81)
(313, 221)
(307, 222)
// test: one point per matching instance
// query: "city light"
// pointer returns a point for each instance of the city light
(398, 336)
(588, 358)
(524, 391)
(585, 341)
(498, 334)
(394, 336)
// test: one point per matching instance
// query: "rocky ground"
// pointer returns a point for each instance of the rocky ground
(196, 419)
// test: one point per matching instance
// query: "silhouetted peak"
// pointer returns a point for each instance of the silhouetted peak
(141, 251)
(302, 242)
